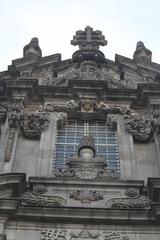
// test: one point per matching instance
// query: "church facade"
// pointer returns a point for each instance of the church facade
(80, 144)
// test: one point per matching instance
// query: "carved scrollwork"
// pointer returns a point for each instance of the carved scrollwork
(86, 196)
(70, 105)
(38, 200)
(137, 201)
(112, 108)
(141, 129)
(33, 124)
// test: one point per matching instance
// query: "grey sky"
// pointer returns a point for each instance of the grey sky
(54, 22)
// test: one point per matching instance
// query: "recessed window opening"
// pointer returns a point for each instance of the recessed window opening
(68, 138)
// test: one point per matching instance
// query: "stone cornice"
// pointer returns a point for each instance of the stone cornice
(138, 214)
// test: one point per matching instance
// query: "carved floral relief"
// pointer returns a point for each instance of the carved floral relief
(84, 234)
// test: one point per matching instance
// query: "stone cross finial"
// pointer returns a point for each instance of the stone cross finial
(89, 39)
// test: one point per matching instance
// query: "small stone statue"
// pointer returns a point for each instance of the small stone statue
(32, 49)
(142, 52)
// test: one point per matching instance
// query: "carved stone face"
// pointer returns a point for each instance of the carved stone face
(86, 153)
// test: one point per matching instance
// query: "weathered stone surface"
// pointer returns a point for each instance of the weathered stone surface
(88, 198)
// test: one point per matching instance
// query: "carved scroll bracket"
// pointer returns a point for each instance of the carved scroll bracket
(133, 200)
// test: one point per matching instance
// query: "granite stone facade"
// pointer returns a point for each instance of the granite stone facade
(92, 193)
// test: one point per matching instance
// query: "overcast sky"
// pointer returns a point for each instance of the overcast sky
(54, 22)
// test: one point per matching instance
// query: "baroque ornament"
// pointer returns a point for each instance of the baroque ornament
(86, 196)
(141, 129)
(33, 124)
(96, 169)
(112, 108)
(37, 200)
(84, 234)
(134, 200)
(70, 105)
